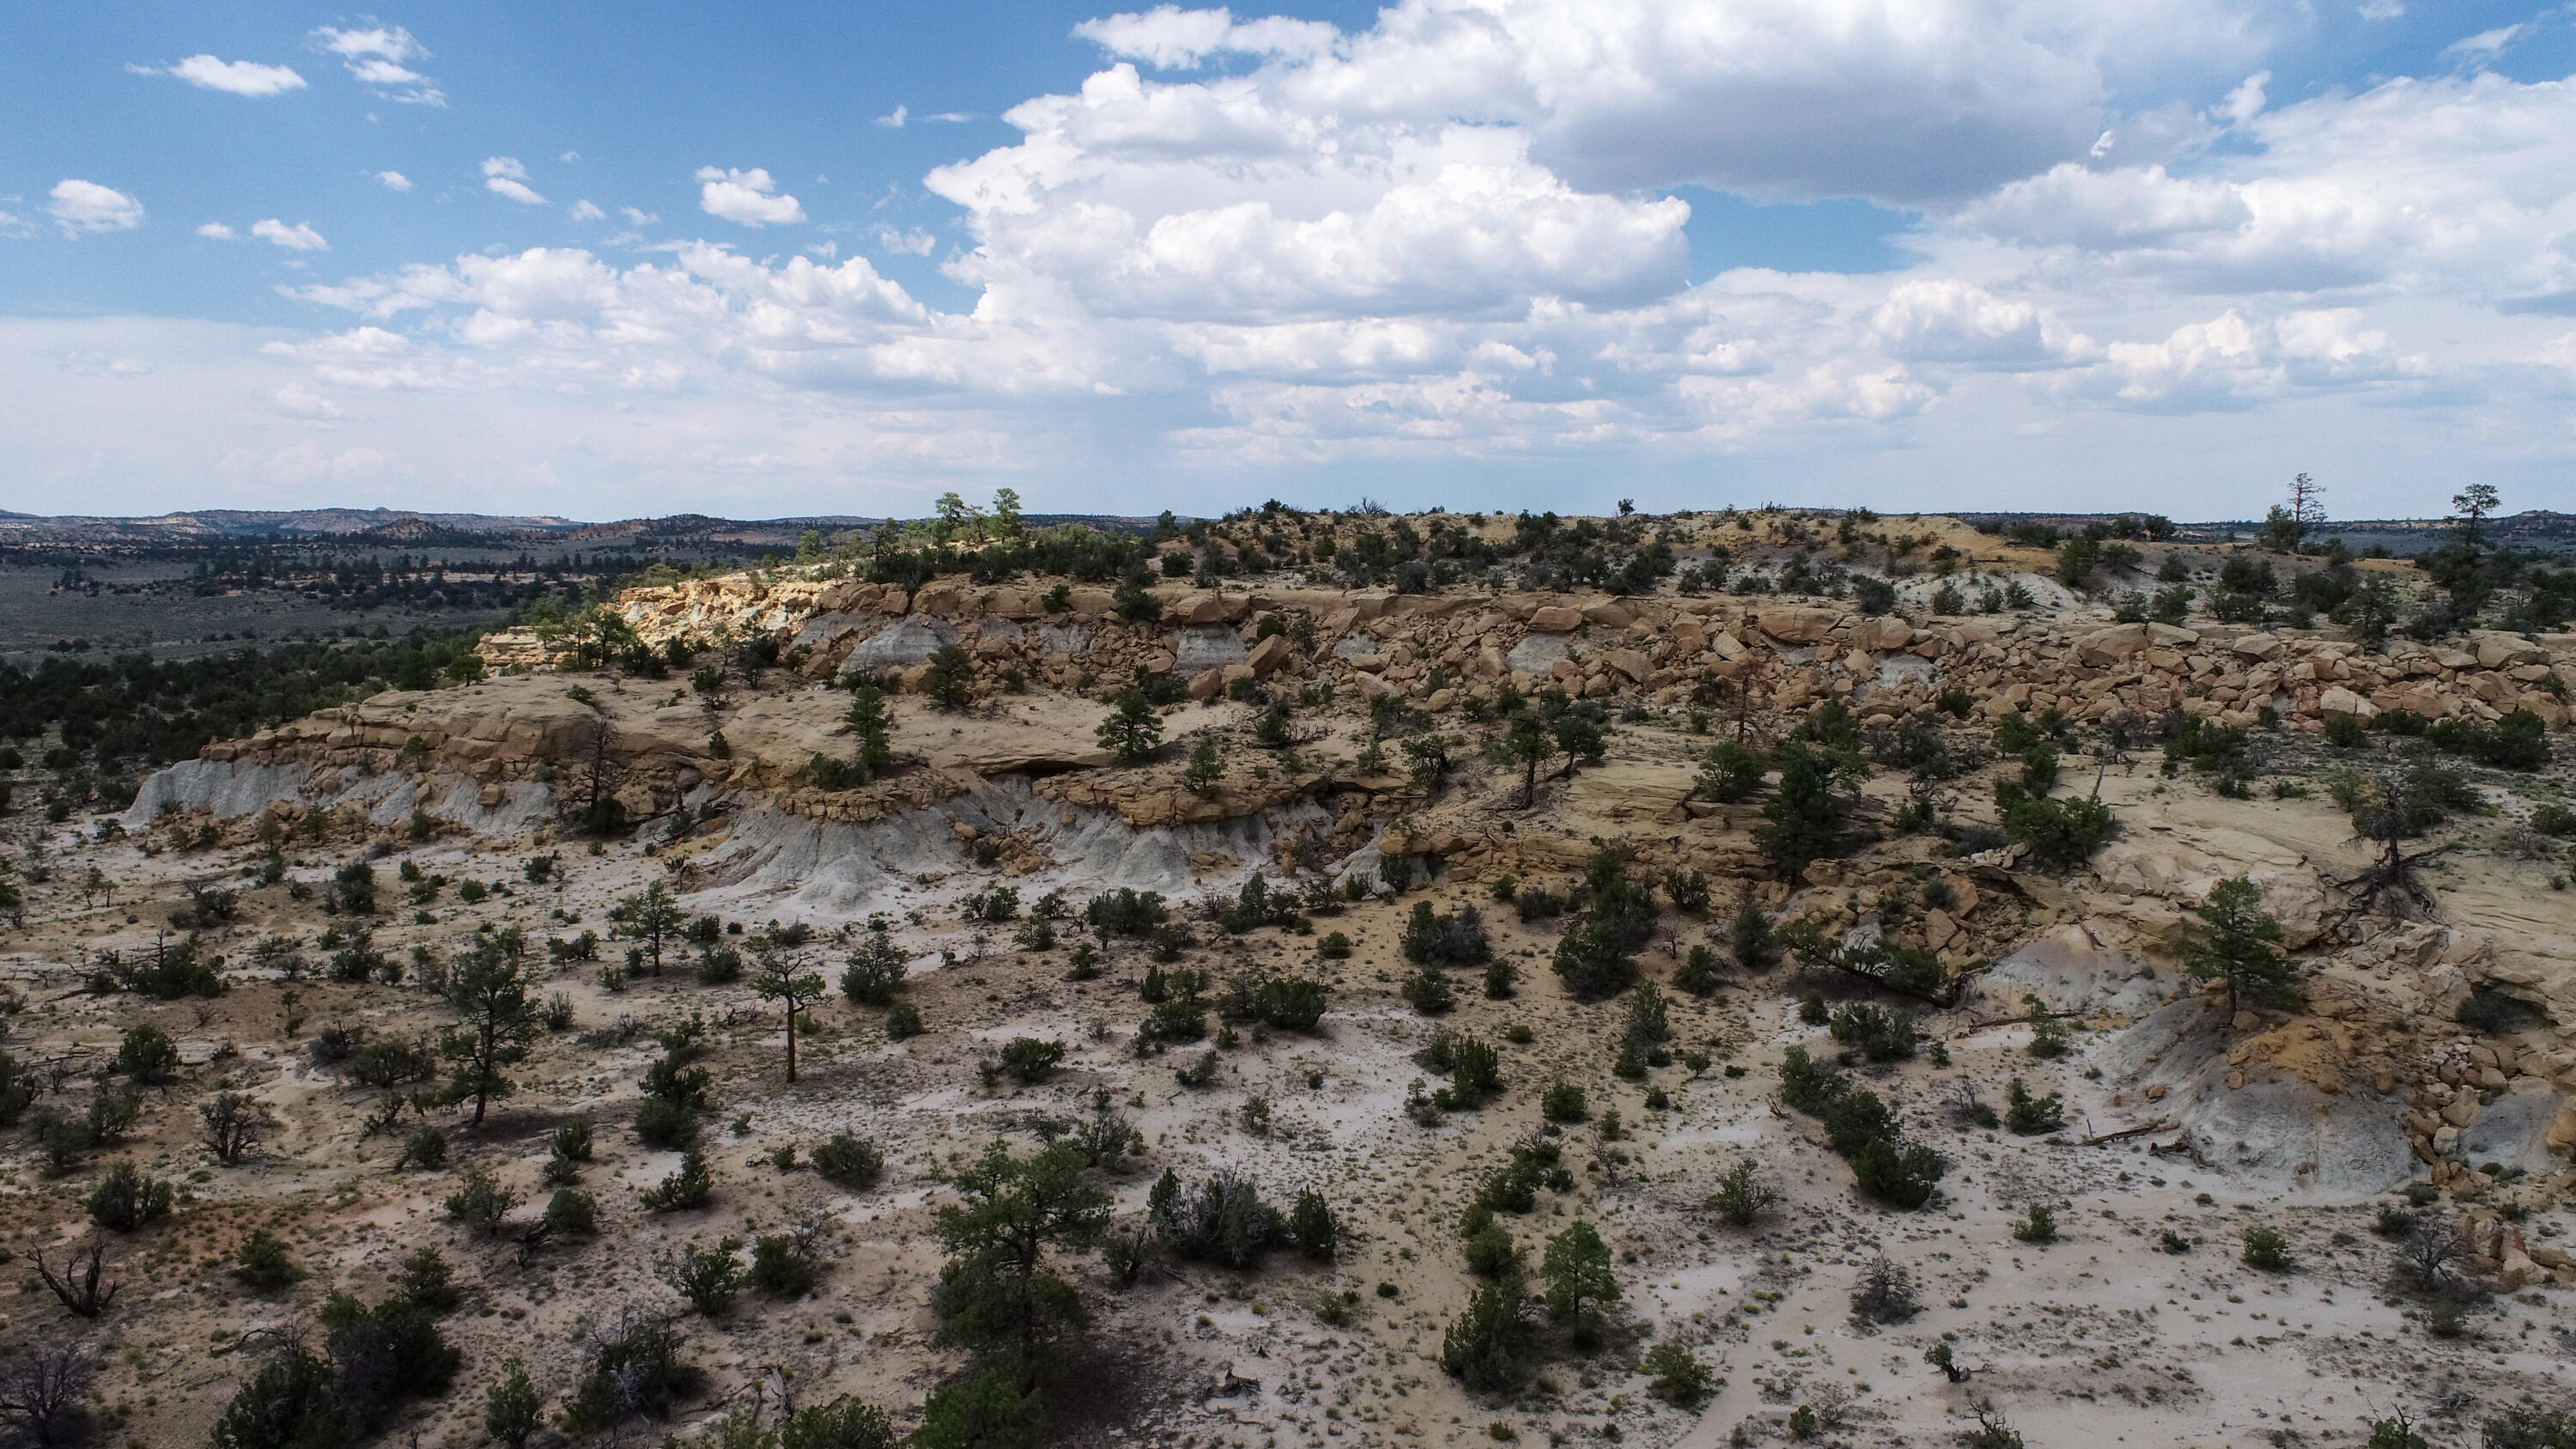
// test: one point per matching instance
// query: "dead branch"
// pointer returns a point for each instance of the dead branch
(2126, 1133)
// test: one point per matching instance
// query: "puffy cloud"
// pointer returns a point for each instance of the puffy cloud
(232, 77)
(1210, 201)
(2233, 362)
(1448, 240)
(2455, 185)
(303, 402)
(85, 206)
(1170, 38)
(586, 211)
(378, 56)
(217, 231)
(636, 217)
(748, 198)
(300, 237)
(1909, 102)
(393, 181)
(380, 42)
(915, 243)
(1953, 321)
(504, 176)
(2071, 205)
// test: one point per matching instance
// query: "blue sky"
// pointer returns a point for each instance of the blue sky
(601, 260)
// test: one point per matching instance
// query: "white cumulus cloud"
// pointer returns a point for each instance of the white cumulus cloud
(586, 211)
(85, 206)
(1443, 250)
(1168, 37)
(379, 56)
(504, 176)
(300, 237)
(232, 77)
(749, 198)
(217, 231)
(393, 181)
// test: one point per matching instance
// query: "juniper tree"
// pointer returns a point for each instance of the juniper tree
(1802, 821)
(649, 916)
(995, 1291)
(1576, 1267)
(776, 977)
(872, 726)
(1524, 746)
(492, 990)
(1132, 729)
(2238, 946)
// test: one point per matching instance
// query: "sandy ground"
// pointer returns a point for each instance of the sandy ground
(2098, 1338)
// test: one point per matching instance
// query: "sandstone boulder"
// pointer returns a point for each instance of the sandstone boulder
(2109, 646)
(1270, 655)
(1630, 662)
(1796, 624)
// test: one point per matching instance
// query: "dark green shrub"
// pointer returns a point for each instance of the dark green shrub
(785, 1264)
(572, 1213)
(424, 1281)
(1563, 1102)
(1675, 1374)
(293, 1402)
(1433, 939)
(1742, 1195)
(1731, 773)
(1428, 992)
(875, 970)
(632, 1368)
(480, 1202)
(689, 1186)
(2529, 1426)
(263, 1263)
(1029, 1060)
(849, 1161)
(1125, 912)
(1485, 1346)
(984, 1410)
(1221, 1221)
(708, 1277)
(2038, 1224)
(1881, 1034)
(2060, 834)
(1903, 1175)
(665, 1124)
(147, 1056)
(2267, 1249)
(1700, 973)
(1292, 1003)
(1491, 1253)
(1475, 1070)
(2030, 1116)
(1313, 1227)
(125, 1199)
